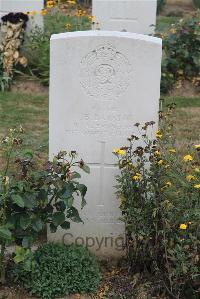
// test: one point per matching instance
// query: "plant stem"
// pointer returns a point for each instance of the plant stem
(2, 263)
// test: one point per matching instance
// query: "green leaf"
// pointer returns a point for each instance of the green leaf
(65, 225)
(53, 228)
(58, 218)
(73, 214)
(25, 221)
(85, 168)
(26, 242)
(68, 190)
(82, 188)
(75, 175)
(37, 225)
(18, 200)
(5, 233)
(30, 201)
(68, 201)
(83, 203)
(28, 154)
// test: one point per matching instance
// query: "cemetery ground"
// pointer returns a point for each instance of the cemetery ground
(31, 111)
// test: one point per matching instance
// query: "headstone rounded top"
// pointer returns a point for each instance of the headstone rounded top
(104, 33)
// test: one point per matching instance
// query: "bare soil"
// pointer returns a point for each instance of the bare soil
(29, 87)
(36, 88)
(178, 7)
(186, 90)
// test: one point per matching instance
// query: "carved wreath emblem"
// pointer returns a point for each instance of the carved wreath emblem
(105, 73)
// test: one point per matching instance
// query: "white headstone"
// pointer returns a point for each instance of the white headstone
(7, 6)
(101, 83)
(136, 16)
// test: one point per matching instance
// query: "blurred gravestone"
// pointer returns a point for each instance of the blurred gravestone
(7, 6)
(126, 15)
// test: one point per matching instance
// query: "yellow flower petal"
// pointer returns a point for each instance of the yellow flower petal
(190, 177)
(187, 158)
(183, 226)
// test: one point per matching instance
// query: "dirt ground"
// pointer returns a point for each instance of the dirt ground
(178, 8)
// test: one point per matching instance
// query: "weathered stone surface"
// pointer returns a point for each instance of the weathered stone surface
(101, 83)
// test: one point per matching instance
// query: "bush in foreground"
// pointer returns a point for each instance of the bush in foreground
(160, 200)
(61, 270)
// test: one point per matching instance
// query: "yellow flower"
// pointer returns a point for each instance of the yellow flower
(79, 13)
(187, 158)
(173, 30)
(183, 226)
(160, 162)
(32, 13)
(168, 184)
(68, 26)
(197, 186)
(158, 134)
(50, 4)
(71, 2)
(137, 176)
(190, 177)
(157, 153)
(119, 152)
(43, 12)
(5, 180)
(197, 146)
(172, 150)
(90, 18)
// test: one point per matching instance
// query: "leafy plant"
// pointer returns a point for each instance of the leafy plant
(30, 198)
(160, 202)
(197, 3)
(61, 270)
(160, 5)
(181, 59)
(37, 43)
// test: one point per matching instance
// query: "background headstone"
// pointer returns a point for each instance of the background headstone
(125, 15)
(101, 83)
(7, 6)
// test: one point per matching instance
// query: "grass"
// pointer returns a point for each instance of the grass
(164, 23)
(29, 111)
(32, 113)
(182, 102)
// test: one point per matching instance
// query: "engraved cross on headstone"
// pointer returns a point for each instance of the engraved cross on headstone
(102, 166)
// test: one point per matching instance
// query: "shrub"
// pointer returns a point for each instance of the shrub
(181, 59)
(160, 201)
(160, 5)
(37, 43)
(32, 197)
(197, 3)
(61, 270)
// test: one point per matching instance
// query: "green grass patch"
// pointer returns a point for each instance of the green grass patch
(32, 113)
(182, 102)
(164, 23)
(29, 111)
